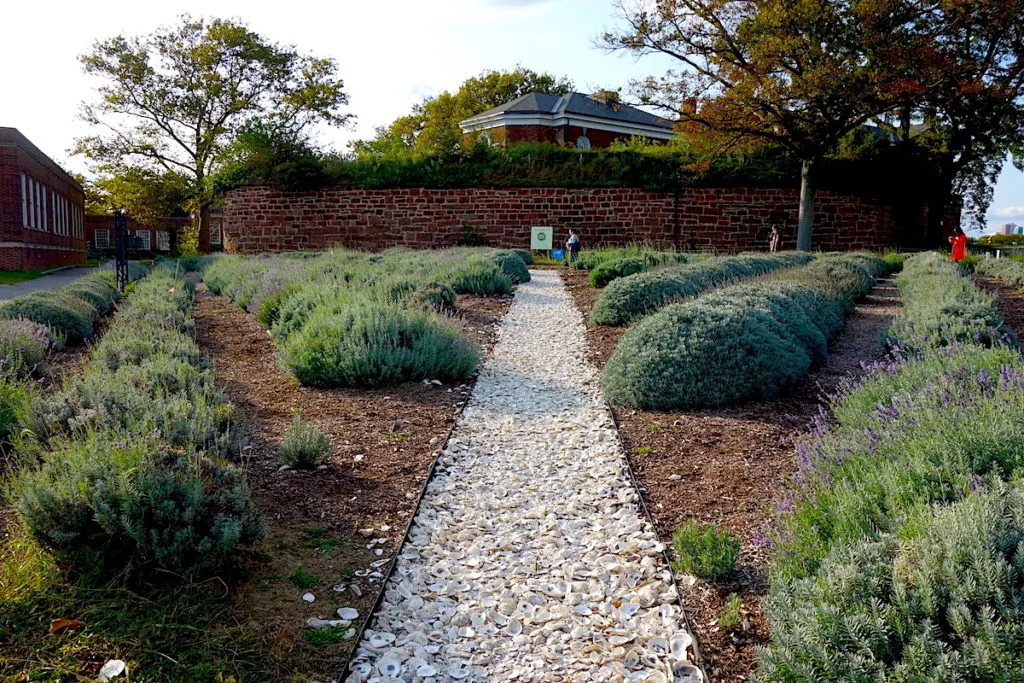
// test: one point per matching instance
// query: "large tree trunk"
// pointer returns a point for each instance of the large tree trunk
(805, 224)
(940, 199)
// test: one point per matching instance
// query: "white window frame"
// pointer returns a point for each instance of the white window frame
(163, 240)
(96, 238)
(44, 226)
(33, 204)
(148, 240)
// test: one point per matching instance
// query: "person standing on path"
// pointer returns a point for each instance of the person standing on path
(959, 242)
(573, 246)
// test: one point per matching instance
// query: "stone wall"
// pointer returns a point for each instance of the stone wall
(261, 219)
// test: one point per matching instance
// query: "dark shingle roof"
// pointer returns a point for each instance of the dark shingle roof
(575, 103)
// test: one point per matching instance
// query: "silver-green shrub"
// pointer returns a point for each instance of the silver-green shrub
(629, 298)
(304, 445)
(606, 271)
(941, 306)
(943, 603)
(740, 342)
(140, 505)
(24, 345)
(1009, 271)
(366, 343)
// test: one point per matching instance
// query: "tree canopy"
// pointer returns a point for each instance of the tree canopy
(804, 73)
(432, 127)
(171, 101)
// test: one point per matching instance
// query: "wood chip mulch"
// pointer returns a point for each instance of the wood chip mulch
(385, 441)
(733, 462)
(1011, 301)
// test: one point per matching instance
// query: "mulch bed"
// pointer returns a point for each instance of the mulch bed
(1011, 301)
(733, 462)
(384, 443)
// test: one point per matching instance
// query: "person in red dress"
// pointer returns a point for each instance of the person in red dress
(959, 242)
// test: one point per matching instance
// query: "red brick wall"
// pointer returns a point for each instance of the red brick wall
(23, 248)
(259, 219)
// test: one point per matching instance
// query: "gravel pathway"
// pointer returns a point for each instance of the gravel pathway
(529, 558)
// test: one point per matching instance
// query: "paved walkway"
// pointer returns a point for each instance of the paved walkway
(529, 559)
(44, 283)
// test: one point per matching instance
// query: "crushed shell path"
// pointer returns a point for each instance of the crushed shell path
(529, 558)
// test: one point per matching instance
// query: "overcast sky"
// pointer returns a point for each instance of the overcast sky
(391, 53)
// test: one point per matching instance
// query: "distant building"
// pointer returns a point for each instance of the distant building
(1011, 229)
(157, 238)
(584, 121)
(42, 208)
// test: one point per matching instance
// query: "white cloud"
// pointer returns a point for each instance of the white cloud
(1008, 212)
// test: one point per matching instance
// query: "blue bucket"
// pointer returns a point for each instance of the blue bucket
(558, 254)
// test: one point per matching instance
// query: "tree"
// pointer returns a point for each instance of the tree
(172, 100)
(433, 126)
(796, 73)
(970, 111)
(144, 194)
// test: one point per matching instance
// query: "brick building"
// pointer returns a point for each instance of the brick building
(99, 233)
(42, 208)
(584, 121)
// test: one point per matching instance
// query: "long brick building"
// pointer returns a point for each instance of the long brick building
(42, 208)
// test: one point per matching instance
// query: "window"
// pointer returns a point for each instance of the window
(163, 240)
(46, 214)
(32, 201)
(583, 142)
(143, 236)
(101, 239)
(24, 201)
(215, 234)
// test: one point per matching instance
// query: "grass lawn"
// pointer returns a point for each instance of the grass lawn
(13, 277)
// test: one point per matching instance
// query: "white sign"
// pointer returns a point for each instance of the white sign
(541, 237)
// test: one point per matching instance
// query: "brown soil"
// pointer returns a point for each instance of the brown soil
(732, 461)
(1011, 302)
(384, 444)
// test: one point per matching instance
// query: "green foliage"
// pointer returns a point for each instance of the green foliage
(15, 408)
(512, 265)
(323, 637)
(629, 298)
(304, 445)
(368, 344)
(99, 291)
(916, 432)
(941, 307)
(177, 98)
(1011, 272)
(942, 605)
(24, 345)
(124, 474)
(894, 261)
(741, 342)
(606, 271)
(141, 506)
(705, 552)
(732, 612)
(302, 579)
(68, 318)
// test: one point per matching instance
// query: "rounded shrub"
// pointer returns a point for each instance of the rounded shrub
(436, 297)
(69, 318)
(141, 506)
(480, 276)
(24, 345)
(742, 342)
(98, 292)
(705, 552)
(366, 343)
(304, 445)
(512, 265)
(631, 297)
(607, 271)
(525, 254)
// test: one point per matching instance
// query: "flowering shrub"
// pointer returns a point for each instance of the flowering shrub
(1009, 271)
(628, 298)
